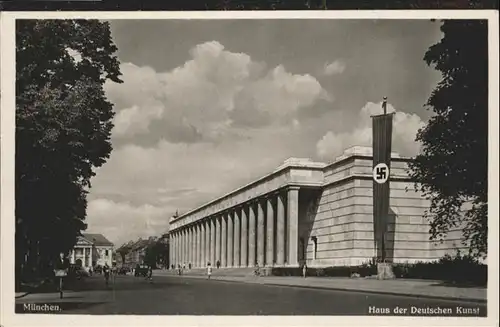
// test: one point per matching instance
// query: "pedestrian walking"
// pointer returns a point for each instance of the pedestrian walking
(106, 272)
(209, 270)
(189, 266)
(218, 264)
(149, 275)
(257, 270)
(304, 270)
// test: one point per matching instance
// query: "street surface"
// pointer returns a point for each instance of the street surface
(172, 295)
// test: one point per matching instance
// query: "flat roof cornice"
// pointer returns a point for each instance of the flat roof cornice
(286, 167)
(281, 170)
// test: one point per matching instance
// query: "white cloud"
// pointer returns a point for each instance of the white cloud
(121, 221)
(405, 127)
(226, 99)
(151, 183)
(334, 68)
(209, 93)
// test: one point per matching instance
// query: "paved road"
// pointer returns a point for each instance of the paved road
(170, 295)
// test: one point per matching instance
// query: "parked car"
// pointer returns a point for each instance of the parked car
(77, 272)
(141, 271)
(98, 269)
(123, 270)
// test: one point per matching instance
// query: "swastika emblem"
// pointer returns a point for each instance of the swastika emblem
(381, 173)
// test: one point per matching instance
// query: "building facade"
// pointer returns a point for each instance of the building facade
(92, 250)
(309, 212)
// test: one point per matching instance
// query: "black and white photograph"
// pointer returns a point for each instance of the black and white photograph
(253, 166)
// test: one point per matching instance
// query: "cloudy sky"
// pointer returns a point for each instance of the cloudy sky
(207, 106)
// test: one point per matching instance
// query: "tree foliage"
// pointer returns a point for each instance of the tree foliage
(452, 169)
(63, 127)
(156, 252)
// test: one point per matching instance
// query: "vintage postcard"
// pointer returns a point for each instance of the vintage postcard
(249, 168)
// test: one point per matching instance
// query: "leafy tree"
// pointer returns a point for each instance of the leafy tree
(452, 169)
(63, 127)
(156, 252)
(123, 251)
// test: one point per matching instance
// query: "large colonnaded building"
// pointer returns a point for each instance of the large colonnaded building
(305, 211)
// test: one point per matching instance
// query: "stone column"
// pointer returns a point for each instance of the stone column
(237, 238)
(280, 229)
(223, 247)
(183, 246)
(244, 238)
(73, 256)
(212, 241)
(186, 246)
(200, 246)
(175, 245)
(179, 246)
(190, 245)
(230, 238)
(208, 233)
(91, 257)
(170, 251)
(251, 235)
(197, 260)
(270, 233)
(293, 225)
(203, 244)
(218, 235)
(261, 240)
(194, 246)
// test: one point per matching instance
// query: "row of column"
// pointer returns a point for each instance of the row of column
(262, 231)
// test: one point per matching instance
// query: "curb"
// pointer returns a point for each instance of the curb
(33, 290)
(421, 296)
(23, 295)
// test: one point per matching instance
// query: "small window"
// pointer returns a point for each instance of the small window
(106, 252)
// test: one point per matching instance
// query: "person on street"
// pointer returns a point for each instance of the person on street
(149, 275)
(106, 272)
(257, 270)
(209, 270)
(304, 270)
(218, 264)
(61, 264)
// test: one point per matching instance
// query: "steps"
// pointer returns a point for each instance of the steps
(236, 272)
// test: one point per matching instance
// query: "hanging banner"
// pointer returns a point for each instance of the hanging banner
(382, 144)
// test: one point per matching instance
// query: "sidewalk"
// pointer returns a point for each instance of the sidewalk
(405, 287)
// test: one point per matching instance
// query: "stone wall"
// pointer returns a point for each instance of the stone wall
(342, 220)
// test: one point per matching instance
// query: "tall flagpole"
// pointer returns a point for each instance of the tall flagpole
(383, 238)
(381, 138)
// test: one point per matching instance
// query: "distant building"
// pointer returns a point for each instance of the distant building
(92, 250)
(133, 253)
